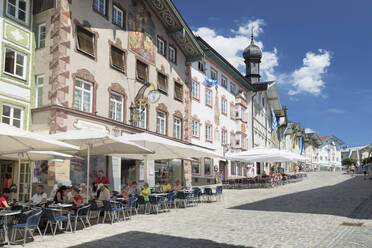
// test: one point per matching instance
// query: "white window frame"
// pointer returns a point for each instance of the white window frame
(161, 46)
(11, 117)
(99, 3)
(83, 92)
(195, 128)
(195, 90)
(16, 53)
(172, 54)
(208, 133)
(161, 122)
(213, 71)
(39, 35)
(177, 127)
(223, 137)
(118, 10)
(224, 106)
(223, 79)
(116, 103)
(208, 96)
(233, 88)
(38, 86)
(16, 17)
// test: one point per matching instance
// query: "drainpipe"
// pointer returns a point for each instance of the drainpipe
(253, 119)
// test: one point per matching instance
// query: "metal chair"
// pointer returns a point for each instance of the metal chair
(32, 224)
(171, 199)
(142, 203)
(81, 214)
(156, 202)
(132, 203)
(56, 220)
(112, 211)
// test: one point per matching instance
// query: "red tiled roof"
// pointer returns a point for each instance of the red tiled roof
(323, 138)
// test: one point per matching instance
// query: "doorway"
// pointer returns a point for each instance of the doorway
(222, 169)
(258, 168)
(128, 172)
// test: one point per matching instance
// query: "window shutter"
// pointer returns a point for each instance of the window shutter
(86, 40)
(141, 71)
(178, 91)
(117, 58)
(162, 83)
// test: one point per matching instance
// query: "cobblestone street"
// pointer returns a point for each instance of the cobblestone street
(304, 214)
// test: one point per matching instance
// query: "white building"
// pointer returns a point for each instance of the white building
(330, 153)
(311, 152)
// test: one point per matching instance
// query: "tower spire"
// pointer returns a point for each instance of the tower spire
(252, 36)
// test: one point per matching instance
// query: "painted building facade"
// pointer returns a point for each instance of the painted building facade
(99, 61)
(311, 152)
(16, 79)
(220, 114)
(330, 153)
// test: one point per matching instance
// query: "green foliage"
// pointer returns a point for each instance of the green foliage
(349, 162)
(367, 160)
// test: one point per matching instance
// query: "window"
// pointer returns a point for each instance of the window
(177, 128)
(207, 167)
(195, 128)
(39, 90)
(41, 35)
(17, 9)
(195, 166)
(100, 6)
(213, 74)
(208, 97)
(223, 105)
(141, 71)
(201, 66)
(116, 106)
(232, 110)
(15, 63)
(232, 140)
(224, 82)
(12, 116)
(85, 41)
(83, 96)
(232, 88)
(242, 114)
(178, 91)
(161, 46)
(117, 58)
(233, 168)
(162, 83)
(223, 137)
(195, 90)
(208, 133)
(239, 168)
(161, 122)
(117, 16)
(243, 142)
(172, 54)
(141, 118)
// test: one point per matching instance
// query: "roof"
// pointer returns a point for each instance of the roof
(177, 27)
(333, 138)
(325, 137)
(221, 61)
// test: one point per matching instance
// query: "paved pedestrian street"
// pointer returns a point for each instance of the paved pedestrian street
(327, 209)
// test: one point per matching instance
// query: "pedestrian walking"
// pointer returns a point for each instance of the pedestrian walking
(365, 170)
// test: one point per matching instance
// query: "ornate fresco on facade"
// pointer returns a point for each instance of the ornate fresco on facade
(141, 32)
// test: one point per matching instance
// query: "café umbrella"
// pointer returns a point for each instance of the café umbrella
(97, 142)
(17, 141)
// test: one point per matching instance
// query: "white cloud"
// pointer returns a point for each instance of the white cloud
(336, 111)
(308, 79)
(309, 130)
(231, 46)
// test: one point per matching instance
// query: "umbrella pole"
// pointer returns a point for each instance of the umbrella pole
(88, 169)
(19, 175)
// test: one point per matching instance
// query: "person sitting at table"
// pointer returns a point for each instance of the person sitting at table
(124, 193)
(4, 198)
(77, 200)
(68, 194)
(177, 187)
(104, 193)
(83, 193)
(166, 187)
(54, 191)
(40, 196)
(134, 190)
(60, 195)
(146, 191)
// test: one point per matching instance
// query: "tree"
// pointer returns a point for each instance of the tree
(349, 162)
(367, 160)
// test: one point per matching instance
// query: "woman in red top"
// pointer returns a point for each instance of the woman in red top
(77, 200)
(8, 181)
(4, 198)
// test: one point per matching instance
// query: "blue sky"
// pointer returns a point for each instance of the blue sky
(319, 52)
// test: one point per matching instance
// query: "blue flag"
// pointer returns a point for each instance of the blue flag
(210, 82)
(275, 124)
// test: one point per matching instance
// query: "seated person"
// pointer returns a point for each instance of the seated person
(60, 195)
(76, 200)
(54, 191)
(134, 190)
(104, 194)
(83, 193)
(68, 194)
(146, 191)
(177, 187)
(40, 196)
(166, 187)
(4, 198)
(124, 193)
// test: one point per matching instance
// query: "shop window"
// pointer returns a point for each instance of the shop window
(116, 106)
(195, 166)
(117, 58)
(178, 91)
(233, 168)
(15, 63)
(83, 96)
(207, 166)
(162, 83)
(12, 115)
(168, 169)
(85, 41)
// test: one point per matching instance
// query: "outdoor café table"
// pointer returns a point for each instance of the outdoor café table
(5, 214)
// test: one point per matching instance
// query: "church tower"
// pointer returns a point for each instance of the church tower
(252, 58)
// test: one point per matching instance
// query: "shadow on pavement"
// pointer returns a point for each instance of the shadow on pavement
(351, 198)
(151, 240)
